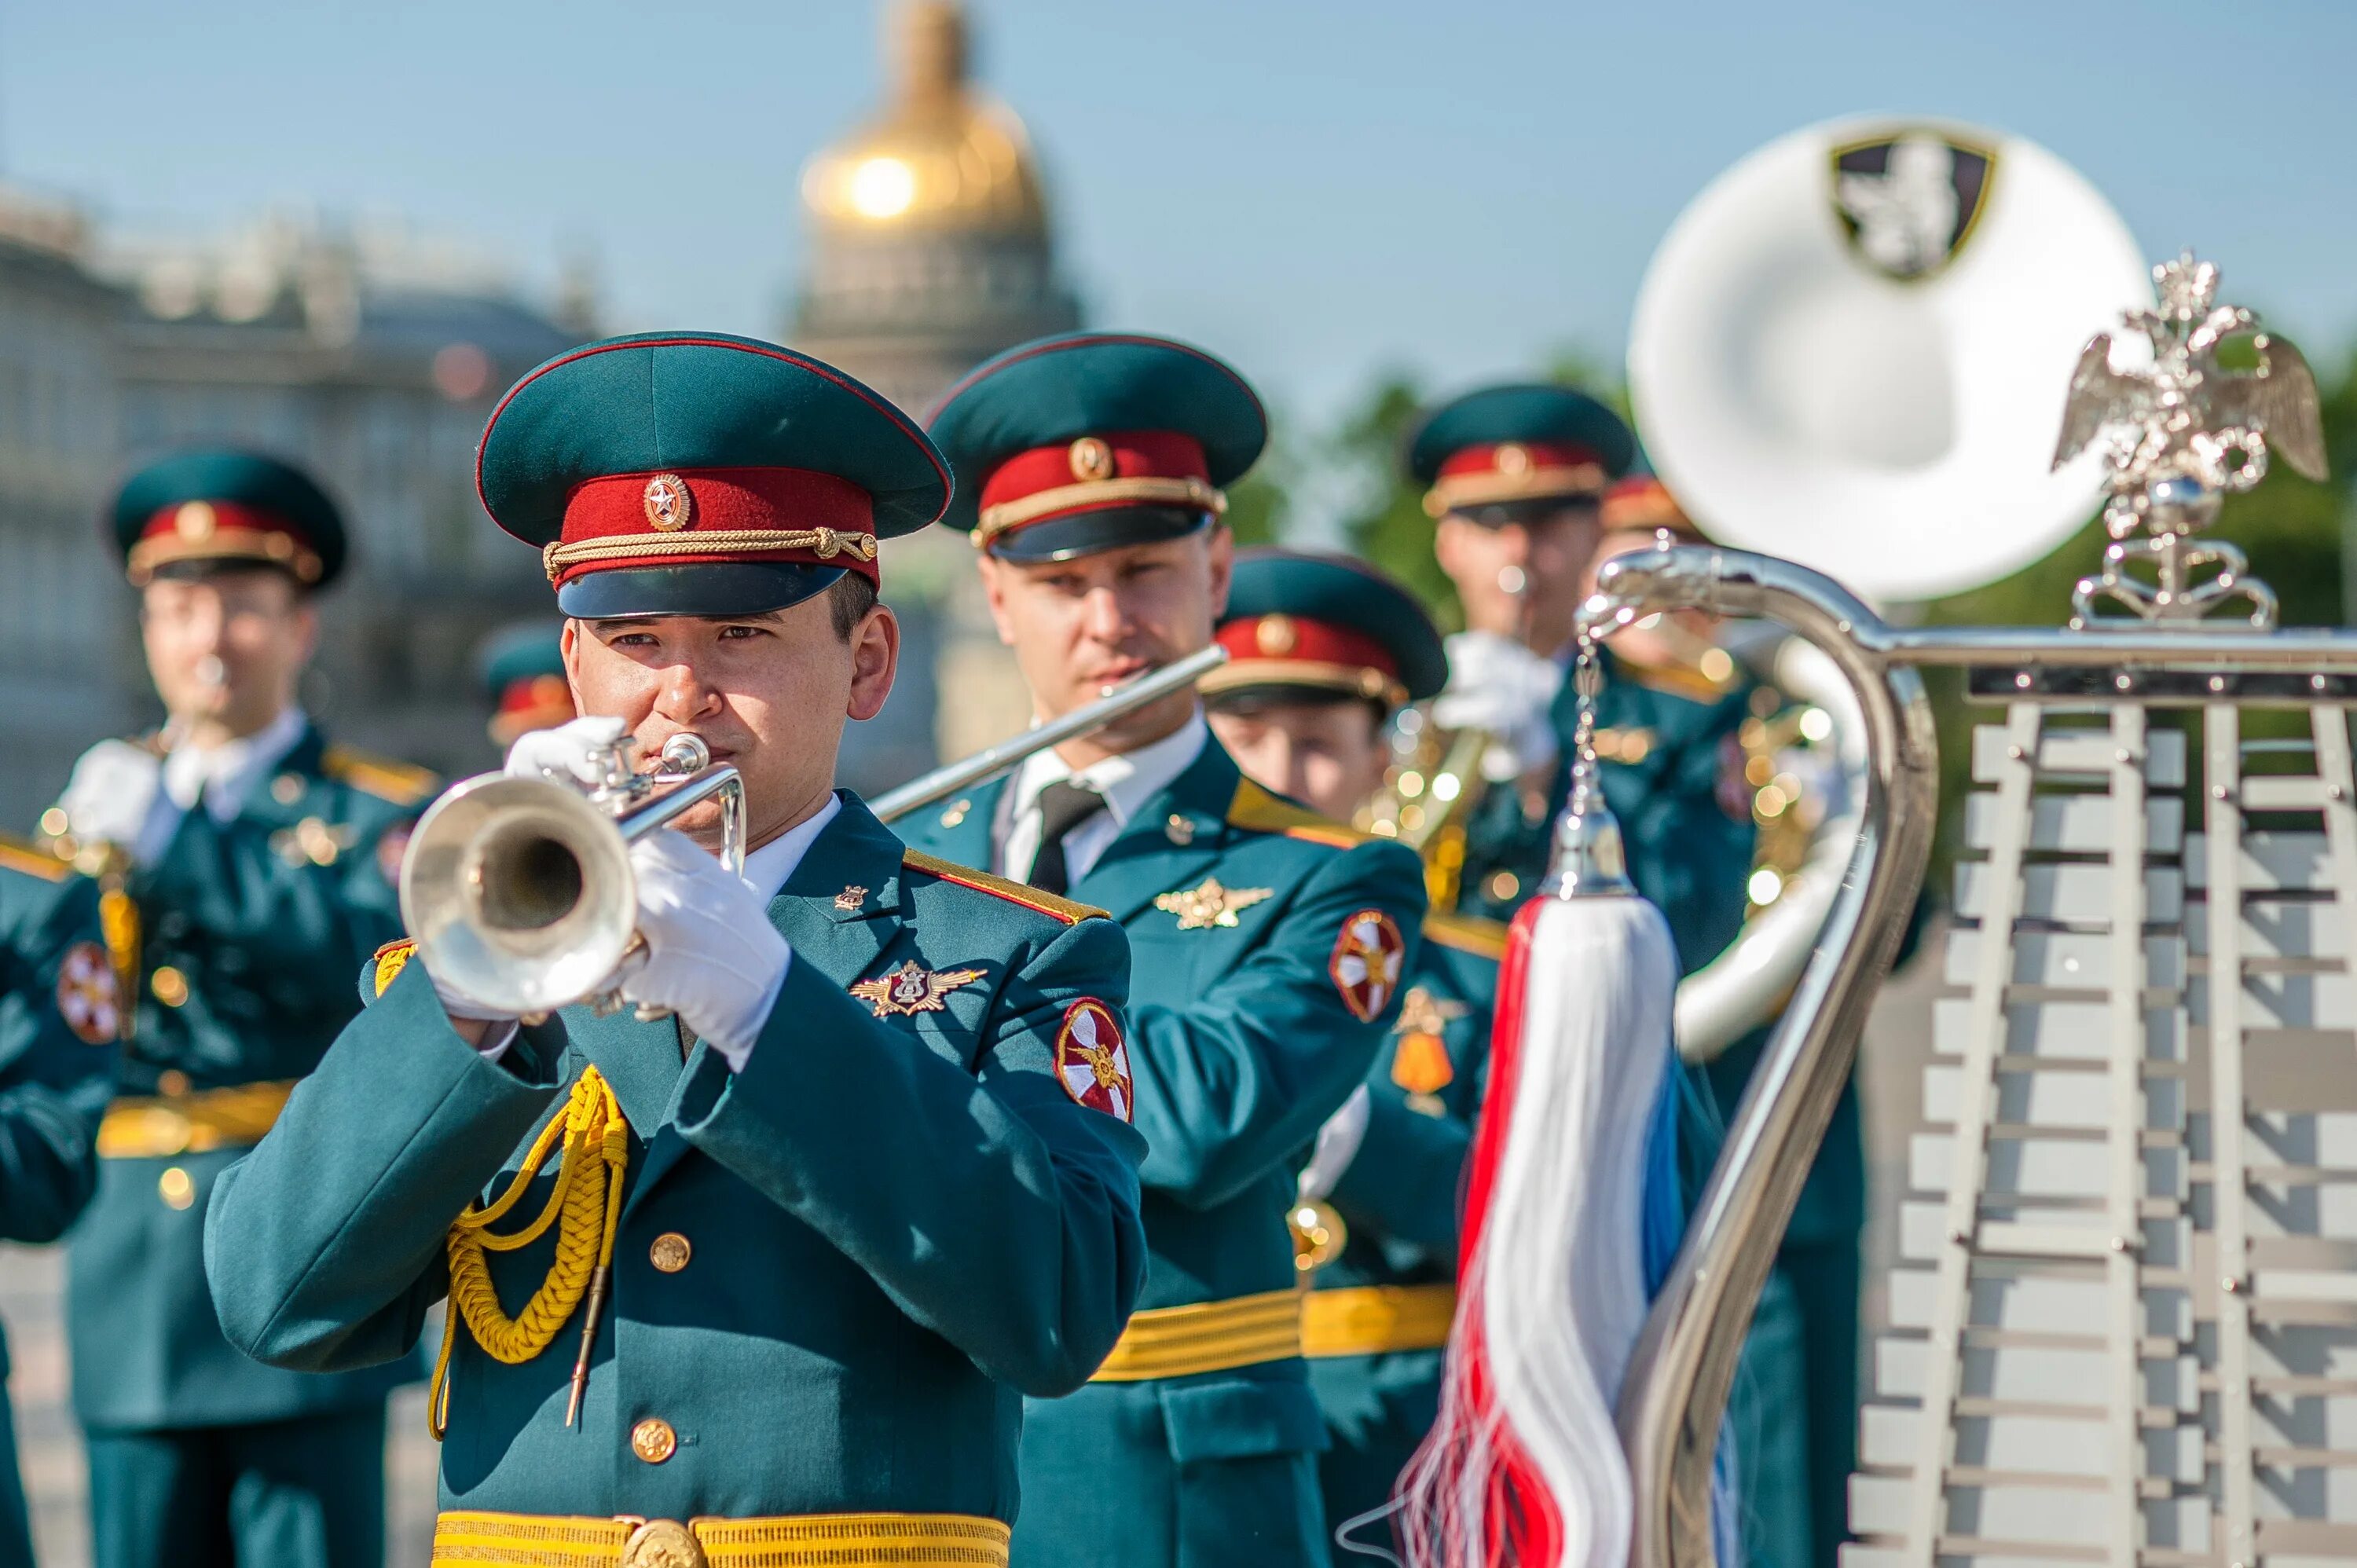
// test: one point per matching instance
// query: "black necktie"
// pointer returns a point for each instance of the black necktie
(1063, 806)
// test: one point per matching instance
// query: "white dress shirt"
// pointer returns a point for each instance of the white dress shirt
(224, 776)
(1128, 782)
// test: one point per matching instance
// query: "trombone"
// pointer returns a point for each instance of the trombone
(1114, 702)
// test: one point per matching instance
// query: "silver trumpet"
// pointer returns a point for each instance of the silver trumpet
(520, 892)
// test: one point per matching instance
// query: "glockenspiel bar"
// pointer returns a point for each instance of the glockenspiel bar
(2076, 892)
(2089, 754)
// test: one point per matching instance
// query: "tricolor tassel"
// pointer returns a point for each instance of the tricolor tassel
(1572, 1214)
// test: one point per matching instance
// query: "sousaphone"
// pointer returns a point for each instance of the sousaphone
(1844, 354)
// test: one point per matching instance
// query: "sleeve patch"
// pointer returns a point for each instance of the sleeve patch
(89, 999)
(1368, 956)
(391, 960)
(1093, 1058)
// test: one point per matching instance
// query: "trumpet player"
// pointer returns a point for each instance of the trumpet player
(852, 1168)
(1324, 650)
(246, 864)
(1271, 943)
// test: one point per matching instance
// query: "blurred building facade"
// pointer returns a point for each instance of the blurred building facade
(66, 663)
(374, 356)
(367, 355)
(930, 248)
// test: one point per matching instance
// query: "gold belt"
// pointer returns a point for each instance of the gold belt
(1366, 1320)
(232, 1118)
(1207, 1336)
(549, 1541)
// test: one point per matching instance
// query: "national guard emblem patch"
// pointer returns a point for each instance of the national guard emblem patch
(1093, 1059)
(912, 989)
(1908, 201)
(1368, 956)
(89, 998)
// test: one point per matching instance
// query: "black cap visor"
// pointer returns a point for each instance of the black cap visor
(1087, 533)
(716, 590)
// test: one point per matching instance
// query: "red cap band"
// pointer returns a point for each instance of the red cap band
(1288, 650)
(1093, 473)
(1514, 458)
(697, 516)
(222, 530)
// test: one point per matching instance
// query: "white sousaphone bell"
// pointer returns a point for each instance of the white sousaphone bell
(1849, 351)
(1846, 350)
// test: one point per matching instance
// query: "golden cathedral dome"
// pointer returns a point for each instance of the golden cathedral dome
(942, 158)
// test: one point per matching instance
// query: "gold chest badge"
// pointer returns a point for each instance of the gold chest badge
(1212, 903)
(912, 989)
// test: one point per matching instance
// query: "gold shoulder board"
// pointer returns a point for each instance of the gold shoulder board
(398, 782)
(1256, 810)
(21, 854)
(1049, 904)
(1467, 933)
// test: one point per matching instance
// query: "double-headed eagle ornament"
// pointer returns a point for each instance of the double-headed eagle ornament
(2185, 432)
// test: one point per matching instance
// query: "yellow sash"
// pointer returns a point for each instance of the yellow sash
(549, 1541)
(1206, 1337)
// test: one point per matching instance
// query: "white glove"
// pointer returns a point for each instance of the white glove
(563, 752)
(112, 796)
(1498, 685)
(711, 955)
(1336, 1147)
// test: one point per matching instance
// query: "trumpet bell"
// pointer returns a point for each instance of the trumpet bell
(1847, 351)
(519, 892)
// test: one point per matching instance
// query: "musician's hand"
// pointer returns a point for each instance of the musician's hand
(111, 793)
(1497, 684)
(711, 955)
(565, 752)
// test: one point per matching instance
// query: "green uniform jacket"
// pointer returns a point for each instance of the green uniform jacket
(55, 1076)
(896, 1225)
(1401, 1197)
(259, 923)
(1243, 1045)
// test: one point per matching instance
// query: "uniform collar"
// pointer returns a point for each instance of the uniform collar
(769, 868)
(226, 774)
(1127, 781)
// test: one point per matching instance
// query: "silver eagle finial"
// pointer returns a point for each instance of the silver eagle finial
(2185, 432)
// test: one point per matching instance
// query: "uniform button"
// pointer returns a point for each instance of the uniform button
(171, 1083)
(178, 1189)
(654, 1440)
(670, 1252)
(171, 987)
(1504, 886)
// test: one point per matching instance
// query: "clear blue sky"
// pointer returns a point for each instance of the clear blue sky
(1317, 189)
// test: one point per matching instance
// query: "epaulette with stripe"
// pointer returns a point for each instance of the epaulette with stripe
(23, 856)
(1065, 910)
(1467, 933)
(390, 960)
(1259, 810)
(398, 782)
